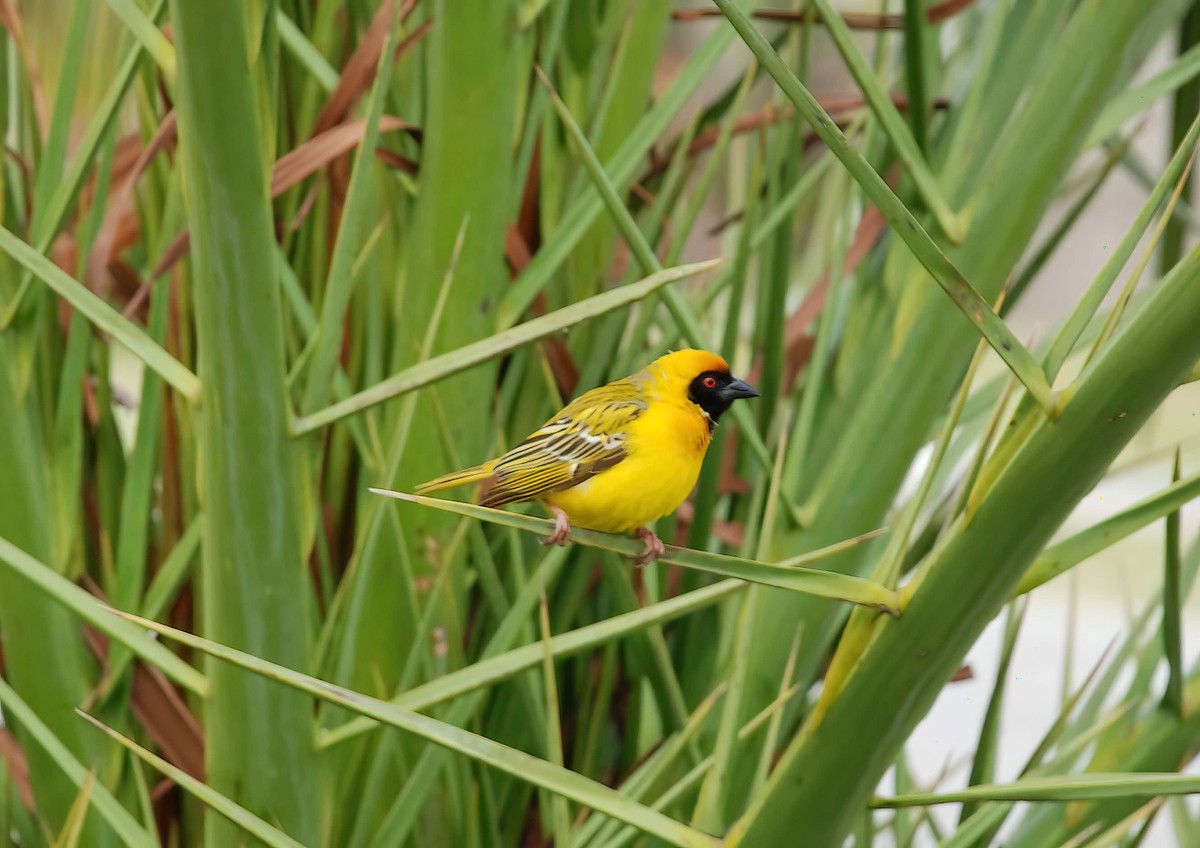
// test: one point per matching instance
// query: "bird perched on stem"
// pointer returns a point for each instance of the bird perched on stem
(618, 457)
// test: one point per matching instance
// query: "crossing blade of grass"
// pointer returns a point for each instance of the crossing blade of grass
(106, 806)
(1062, 556)
(102, 315)
(907, 227)
(1115, 315)
(403, 814)
(560, 815)
(438, 367)
(710, 812)
(822, 583)
(1085, 787)
(597, 830)
(305, 52)
(582, 213)
(95, 613)
(171, 575)
(692, 779)
(1172, 598)
(72, 829)
(1135, 100)
(141, 25)
(1113, 156)
(981, 827)
(511, 761)
(355, 219)
(897, 131)
(137, 496)
(68, 439)
(634, 237)
(211, 798)
(489, 671)
(983, 765)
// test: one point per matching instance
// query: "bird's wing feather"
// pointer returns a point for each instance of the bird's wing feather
(587, 437)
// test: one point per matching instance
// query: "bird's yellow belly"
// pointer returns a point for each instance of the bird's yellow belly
(657, 476)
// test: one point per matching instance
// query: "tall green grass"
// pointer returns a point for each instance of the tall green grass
(263, 262)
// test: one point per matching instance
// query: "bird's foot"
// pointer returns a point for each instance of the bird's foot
(654, 547)
(562, 528)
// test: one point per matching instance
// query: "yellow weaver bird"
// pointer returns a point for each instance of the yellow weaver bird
(618, 457)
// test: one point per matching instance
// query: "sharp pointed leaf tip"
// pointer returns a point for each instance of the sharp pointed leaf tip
(388, 493)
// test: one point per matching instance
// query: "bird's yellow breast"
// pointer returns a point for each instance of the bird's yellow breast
(666, 446)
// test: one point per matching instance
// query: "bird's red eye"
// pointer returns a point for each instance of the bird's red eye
(710, 382)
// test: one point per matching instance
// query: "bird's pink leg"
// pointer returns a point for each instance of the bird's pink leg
(654, 547)
(562, 528)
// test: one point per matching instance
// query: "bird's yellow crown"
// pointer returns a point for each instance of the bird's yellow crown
(673, 372)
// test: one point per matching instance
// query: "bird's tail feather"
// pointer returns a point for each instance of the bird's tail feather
(455, 478)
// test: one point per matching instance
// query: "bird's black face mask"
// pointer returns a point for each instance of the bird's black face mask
(715, 392)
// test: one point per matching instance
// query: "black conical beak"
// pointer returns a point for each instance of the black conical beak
(738, 389)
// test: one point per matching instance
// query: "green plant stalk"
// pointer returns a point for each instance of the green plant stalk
(258, 749)
(137, 495)
(466, 162)
(305, 52)
(560, 815)
(1172, 598)
(1087, 787)
(1184, 109)
(914, 69)
(50, 670)
(897, 131)
(917, 653)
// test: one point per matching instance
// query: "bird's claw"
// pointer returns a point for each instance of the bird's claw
(654, 547)
(562, 529)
